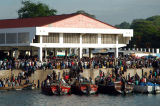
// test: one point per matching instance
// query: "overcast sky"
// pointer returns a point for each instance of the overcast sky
(110, 11)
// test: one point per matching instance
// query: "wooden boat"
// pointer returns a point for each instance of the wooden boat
(20, 87)
(115, 88)
(107, 88)
(5, 88)
(156, 86)
(157, 89)
(57, 88)
(144, 88)
(84, 88)
(124, 89)
(29, 86)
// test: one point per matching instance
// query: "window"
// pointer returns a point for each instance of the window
(90, 38)
(71, 38)
(51, 38)
(108, 39)
(2, 38)
(121, 39)
(23, 37)
(11, 38)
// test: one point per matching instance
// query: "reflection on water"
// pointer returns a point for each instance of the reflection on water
(36, 98)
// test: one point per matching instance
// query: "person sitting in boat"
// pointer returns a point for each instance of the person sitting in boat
(48, 82)
(137, 77)
(129, 77)
(66, 78)
(143, 80)
(81, 80)
(91, 81)
(100, 73)
(122, 83)
(54, 75)
(1, 84)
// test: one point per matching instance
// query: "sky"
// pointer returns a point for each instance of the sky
(110, 11)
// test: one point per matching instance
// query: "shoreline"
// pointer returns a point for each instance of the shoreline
(40, 75)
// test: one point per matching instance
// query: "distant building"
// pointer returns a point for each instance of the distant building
(41, 35)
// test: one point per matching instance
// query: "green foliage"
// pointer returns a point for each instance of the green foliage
(146, 32)
(85, 13)
(123, 25)
(31, 9)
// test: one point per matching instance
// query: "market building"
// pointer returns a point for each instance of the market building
(42, 35)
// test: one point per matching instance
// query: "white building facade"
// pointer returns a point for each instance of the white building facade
(38, 35)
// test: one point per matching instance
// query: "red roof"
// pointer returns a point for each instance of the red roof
(36, 22)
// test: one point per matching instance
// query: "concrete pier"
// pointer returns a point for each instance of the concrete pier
(40, 75)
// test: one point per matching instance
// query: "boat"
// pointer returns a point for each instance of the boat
(156, 85)
(123, 89)
(84, 87)
(20, 87)
(117, 87)
(5, 88)
(107, 88)
(57, 88)
(156, 88)
(145, 88)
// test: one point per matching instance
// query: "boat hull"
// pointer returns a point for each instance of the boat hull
(56, 90)
(115, 88)
(143, 89)
(21, 87)
(157, 89)
(87, 89)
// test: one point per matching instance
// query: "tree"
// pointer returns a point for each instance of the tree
(146, 32)
(85, 13)
(31, 9)
(123, 25)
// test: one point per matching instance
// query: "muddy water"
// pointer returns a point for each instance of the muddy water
(36, 98)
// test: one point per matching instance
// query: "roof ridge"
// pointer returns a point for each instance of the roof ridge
(41, 21)
(39, 17)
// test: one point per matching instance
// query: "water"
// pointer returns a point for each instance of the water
(36, 98)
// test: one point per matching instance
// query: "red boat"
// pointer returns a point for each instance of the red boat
(84, 88)
(57, 88)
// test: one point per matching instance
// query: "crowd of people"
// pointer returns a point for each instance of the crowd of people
(14, 80)
(123, 63)
(119, 66)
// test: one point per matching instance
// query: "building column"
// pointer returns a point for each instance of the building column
(157, 50)
(116, 49)
(149, 50)
(116, 52)
(90, 52)
(32, 52)
(81, 52)
(99, 38)
(61, 38)
(70, 51)
(10, 53)
(152, 50)
(40, 53)
(54, 52)
(75, 51)
(16, 54)
(66, 52)
(46, 54)
(137, 49)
